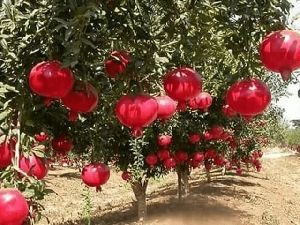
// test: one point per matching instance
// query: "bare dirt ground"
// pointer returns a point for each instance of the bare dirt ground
(271, 197)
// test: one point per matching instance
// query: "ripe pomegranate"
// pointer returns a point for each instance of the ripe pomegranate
(95, 175)
(194, 163)
(117, 64)
(207, 136)
(136, 112)
(182, 84)
(164, 140)
(216, 132)
(194, 138)
(248, 97)
(181, 156)
(50, 79)
(228, 111)
(239, 171)
(198, 156)
(82, 99)
(34, 166)
(13, 207)
(169, 163)
(280, 52)
(163, 154)
(219, 160)
(126, 175)
(202, 101)
(42, 136)
(62, 144)
(166, 107)
(6, 153)
(210, 154)
(151, 159)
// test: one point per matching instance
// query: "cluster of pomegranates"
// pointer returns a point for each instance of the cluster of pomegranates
(52, 81)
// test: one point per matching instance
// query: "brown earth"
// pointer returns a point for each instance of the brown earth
(271, 197)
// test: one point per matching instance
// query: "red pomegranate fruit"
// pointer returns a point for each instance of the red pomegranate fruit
(62, 144)
(169, 163)
(166, 107)
(248, 97)
(136, 112)
(228, 111)
(95, 175)
(151, 159)
(280, 52)
(194, 138)
(117, 63)
(202, 101)
(82, 99)
(164, 140)
(50, 79)
(13, 207)
(34, 166)
(182, 84)
(163, 154)
(6, 153)
(126, 175)
(41, 137)
(181, 156)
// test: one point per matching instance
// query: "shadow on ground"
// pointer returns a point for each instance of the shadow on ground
(198, 208)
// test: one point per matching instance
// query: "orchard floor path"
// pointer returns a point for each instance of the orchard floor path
(271, 197)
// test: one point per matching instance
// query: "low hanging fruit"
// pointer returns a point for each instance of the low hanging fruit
(163, 154)
(151, 159)
(41, 137)
(117, 63)
(49, 79)
(202, 101)
(83, 98)
(228, 111)
(13, 207)
(182, 84)
(6, 153)
(169, 163)
(136, 112)
(248, 97)
(95, 175)
(126, 175)
(280, 52)
(34, 166)
(181, 156)
(194, 138)
(164, 140)
(62, 144)
(166, 107)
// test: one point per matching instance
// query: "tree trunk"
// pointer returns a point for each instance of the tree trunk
(139, 189)
(183, 182)
(208, 177)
